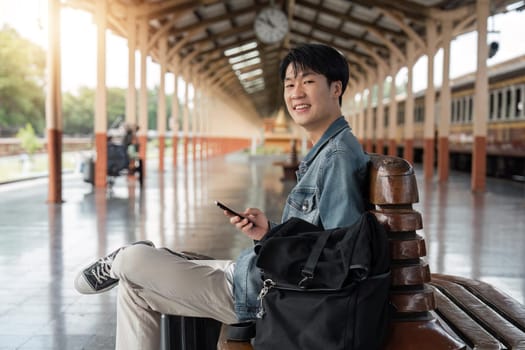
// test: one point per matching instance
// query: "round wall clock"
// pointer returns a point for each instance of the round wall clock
(271, 25)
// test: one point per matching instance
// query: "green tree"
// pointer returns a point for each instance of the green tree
(22, 73)
(153, 97)
(152, 108)
(78, 111)
(28, 139)
(116, 104)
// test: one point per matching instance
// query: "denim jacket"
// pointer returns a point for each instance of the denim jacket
(328, 194)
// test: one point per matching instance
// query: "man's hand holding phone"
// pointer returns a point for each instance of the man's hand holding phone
(252, 222)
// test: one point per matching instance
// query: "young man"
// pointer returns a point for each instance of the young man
(328, 194)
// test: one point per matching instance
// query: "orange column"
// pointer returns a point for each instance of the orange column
(369, 143)
(204, 120)
(161, 103)
(101, 119)
(444, 120)
(361, 117)
(409, 150)
(185, 120)
(392, 118)
(380, 111)
(101, 163)
(479, 151)
(143, 94)
(131, 98)
(131, 95)
(53, 105)
(195, 113)
(408, 153)
(175, 116)
(430, 97)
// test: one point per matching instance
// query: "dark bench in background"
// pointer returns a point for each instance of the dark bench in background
(432, 312)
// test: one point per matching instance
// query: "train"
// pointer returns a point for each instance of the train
(505, 127)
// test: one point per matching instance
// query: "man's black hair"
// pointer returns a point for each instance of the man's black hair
(319, 58)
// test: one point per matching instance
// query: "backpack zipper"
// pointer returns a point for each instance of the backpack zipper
(267, 285)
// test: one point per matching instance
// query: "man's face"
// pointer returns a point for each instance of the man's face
(312, 103)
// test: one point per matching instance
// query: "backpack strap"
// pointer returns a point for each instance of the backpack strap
(308, 270)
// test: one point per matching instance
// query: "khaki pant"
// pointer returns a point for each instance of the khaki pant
(155, 281)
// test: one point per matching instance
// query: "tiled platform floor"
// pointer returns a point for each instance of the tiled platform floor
(43, 245)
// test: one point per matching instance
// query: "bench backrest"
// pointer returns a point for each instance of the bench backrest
(392, 191)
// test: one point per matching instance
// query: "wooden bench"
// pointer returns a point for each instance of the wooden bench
(291, 165)
(482, 316)
(432, 312)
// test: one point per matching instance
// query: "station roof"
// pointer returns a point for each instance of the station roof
(216, 39)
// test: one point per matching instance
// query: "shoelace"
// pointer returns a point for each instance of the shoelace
(102, 269)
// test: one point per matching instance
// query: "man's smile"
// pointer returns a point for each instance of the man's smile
(301, 107)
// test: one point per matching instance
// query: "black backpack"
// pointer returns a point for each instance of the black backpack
(324, 289)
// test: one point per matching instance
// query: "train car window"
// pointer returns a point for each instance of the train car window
(470, 108)
(518, 105)
(508, 103)
(452, 111)
(491, 105)
(420, 113)
(401, 113)
(499, 104)
(463, 110)
(458, 111)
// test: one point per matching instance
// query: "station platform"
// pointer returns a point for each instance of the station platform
(42, 246)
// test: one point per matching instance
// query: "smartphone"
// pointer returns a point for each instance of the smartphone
(231, 211)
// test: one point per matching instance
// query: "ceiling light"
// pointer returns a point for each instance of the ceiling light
(244, 64)
(249, 46)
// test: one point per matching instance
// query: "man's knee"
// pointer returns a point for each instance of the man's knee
(131, 260)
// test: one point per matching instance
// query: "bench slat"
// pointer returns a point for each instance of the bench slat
(463, 325)
(482, 313)
(503, 303)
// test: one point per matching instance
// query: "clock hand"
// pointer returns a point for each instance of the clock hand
(267, 21)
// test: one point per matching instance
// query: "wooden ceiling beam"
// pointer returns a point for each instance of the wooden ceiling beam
(348, 18)
(340, 34)
(413, 10)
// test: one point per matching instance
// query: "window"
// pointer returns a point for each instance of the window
(464, 110)
(452, 111)
(401, 113)
(508, 103)
(458, 110)
(470, 107)
(499, 104)
(419, 114)
(491, 105)
(518, 105)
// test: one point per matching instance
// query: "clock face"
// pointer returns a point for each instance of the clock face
(271, 25)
